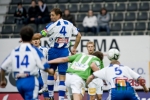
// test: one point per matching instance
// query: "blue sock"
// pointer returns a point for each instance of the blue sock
(50, 83)
(61, 90)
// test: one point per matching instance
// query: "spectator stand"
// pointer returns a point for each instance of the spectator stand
(128, 17)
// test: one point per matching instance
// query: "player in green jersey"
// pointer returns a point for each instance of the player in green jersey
(79, 70)
(95, 87)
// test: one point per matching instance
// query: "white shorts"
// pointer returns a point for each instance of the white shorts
(95, 87)
(74, 84)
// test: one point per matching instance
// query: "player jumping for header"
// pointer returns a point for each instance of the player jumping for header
(59, 33)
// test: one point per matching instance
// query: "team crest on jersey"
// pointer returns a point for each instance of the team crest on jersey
(79, 66)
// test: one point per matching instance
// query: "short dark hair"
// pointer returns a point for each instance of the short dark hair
(57, 11)
(103, 9)
(98, 54)
(26, 33)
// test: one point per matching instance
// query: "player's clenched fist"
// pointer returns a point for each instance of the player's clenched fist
(73, 51)
(3, 84)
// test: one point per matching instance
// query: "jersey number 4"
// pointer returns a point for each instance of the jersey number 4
(63, 30)
(24, 62)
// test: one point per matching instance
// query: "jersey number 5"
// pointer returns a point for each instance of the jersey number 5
(63, 30)
(24, 62)
(118, 71)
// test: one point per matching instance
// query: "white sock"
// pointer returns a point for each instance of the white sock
(44, 76)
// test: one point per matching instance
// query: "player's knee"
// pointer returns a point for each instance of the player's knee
(62, 76)
(99, 97)
(92, 97)
(51, 72)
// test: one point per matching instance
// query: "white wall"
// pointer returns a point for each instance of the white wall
(135, 53)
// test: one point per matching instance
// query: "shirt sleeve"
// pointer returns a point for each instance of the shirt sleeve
(47, 30)
(133, 74)
(97, 63)
(72, 58)
(40, 60)
(7, 63)
(84, 21)
(95, 21)
(75, 30)
(106, 19)
(100, 73)
(45, 52)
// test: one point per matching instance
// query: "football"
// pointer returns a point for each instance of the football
(113, 54)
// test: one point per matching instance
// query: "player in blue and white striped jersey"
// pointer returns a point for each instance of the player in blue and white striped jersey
(25, 61)
(43, 75)
(118, 77)
(59, 33)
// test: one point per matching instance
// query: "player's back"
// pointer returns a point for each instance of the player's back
(81, 64)
(114, 72)
(24, 59)
(44, 50)
(117, 76)
(62, 28)
(60, 33)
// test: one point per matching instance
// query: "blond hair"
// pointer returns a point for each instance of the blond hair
(90, 42)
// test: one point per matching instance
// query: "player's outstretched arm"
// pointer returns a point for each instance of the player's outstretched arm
(89, 79)
(59, 60)
(141, 81)
(94, 68)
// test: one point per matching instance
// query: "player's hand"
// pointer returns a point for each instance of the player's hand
(146, 90)
(3, 84)
(73, 51)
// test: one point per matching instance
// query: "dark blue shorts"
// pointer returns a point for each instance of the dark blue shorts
(125, 93)
(28, 87)
(54, 53)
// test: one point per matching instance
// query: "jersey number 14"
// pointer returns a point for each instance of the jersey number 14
(24, 62)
